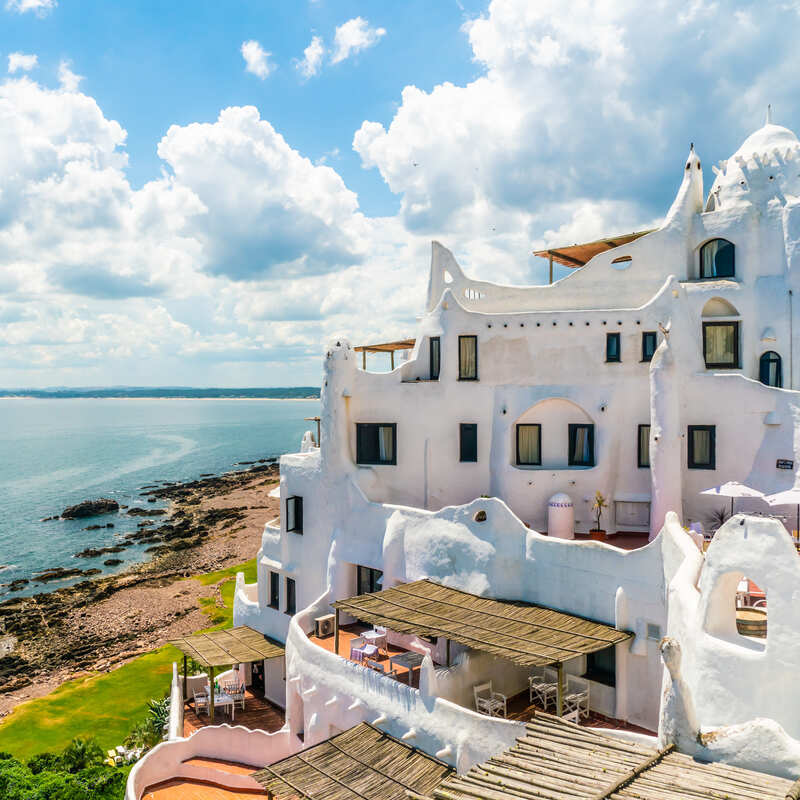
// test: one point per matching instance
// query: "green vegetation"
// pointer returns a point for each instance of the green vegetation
(77, 773)
(107, 706)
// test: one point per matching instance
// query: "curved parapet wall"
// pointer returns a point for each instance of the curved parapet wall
(167, 761)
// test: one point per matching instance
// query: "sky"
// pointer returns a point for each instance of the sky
(204, 193)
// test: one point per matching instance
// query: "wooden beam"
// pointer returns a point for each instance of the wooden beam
(391, 354)
(336, 633)
(551, 267)
(185, 679)
(211, 695)
(364, 360)
(448, 652)
(560, 691)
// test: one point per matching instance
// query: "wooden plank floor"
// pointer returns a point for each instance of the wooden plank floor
(179, 789)
(259, 714)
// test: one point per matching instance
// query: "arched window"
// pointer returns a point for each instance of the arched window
(716, 259)
(769, 369)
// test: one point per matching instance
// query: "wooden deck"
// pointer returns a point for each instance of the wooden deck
(180, 789)
(259, 714)
(349, 632)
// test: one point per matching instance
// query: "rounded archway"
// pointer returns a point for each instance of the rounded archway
(719, 307)
(717, 259)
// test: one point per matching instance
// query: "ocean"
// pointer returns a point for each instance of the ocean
(57, 452)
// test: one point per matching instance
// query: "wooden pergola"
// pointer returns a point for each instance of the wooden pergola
(363, 763)
(577, 255)
(215, 649)
(387, 347)
(526, 634)
(558, 760)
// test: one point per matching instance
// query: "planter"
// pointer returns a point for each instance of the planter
(597, 535)
(751, 622)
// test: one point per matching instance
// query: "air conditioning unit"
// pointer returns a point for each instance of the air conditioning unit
(323, 626)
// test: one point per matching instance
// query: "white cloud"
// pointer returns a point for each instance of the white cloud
(311, 62)
(39, 7)
(352, 37)
(67, 78)
(256, 59)
(22, 61)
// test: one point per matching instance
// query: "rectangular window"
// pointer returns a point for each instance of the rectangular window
(294, 514)
(643, 447)
(702, 447)
(274, 590)
(468, 441)
(612, 347)
(468, 358)
(649, 344)
(581, 445)
(721, 344)
(601, 666)
(436, 357)
(376, 443)
(290, 596)
(369, 580)
(529, 445)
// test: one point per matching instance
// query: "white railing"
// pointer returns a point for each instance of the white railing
(222, 742)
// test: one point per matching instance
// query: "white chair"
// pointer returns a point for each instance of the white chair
(236, 692)
(359, 650)
(540, 689)
(489, 702)
(200, 702)
(576, 698)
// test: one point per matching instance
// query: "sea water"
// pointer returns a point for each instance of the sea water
(55, 453)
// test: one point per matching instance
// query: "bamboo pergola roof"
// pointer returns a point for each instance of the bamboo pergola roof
(362, 763)
(387, 347)
(526, 634)
(558, 760)
(240, 645)
(576, 255)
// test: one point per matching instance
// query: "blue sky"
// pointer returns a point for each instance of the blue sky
(203, 193)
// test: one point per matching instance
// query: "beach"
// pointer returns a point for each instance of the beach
(99, 624)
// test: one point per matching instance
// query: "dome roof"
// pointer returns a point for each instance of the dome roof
(766, 166)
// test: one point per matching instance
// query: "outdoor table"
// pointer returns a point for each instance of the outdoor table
(376, 638)
(223, 700)
(408, 660)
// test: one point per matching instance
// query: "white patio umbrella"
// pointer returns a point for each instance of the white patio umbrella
(733, 489)
(791, 497)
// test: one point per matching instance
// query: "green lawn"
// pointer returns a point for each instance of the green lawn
(108, 705)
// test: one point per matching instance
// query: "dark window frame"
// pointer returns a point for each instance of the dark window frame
(597, 666)
(764, 360)
(691, 462)
(716, 277)
(274, 589)
(362, 427)
(374, 579)
(614, 337)
(434, 374)
(297, 527)
(529, 463)
(462, 428)
(736, 352)
(291, 596)
(571, 436)
(649, 336)
(460, 365)
(639, 446)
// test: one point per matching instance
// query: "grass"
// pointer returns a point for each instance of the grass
(107, 705)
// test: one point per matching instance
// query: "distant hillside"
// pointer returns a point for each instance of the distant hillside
(276, 393)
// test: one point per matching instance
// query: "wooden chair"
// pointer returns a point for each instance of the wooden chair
(576, 698)
(236, 691)
(200, 702)
(540, 688)
(488, 701)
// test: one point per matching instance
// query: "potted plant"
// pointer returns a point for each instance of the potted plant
(599, 504)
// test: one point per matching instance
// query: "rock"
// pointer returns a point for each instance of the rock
(112, 562)
(47, 519)
(94, 527)
(90, 508)
(151, 499)
(92, 552)
(146, 512)
(109, 524)
(57, 574)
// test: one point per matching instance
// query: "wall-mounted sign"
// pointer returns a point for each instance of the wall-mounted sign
(784, 463)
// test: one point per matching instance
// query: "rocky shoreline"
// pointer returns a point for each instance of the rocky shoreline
(99, 623)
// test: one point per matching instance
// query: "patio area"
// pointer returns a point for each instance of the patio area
(258, 714)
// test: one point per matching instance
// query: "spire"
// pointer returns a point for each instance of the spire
(768, 120)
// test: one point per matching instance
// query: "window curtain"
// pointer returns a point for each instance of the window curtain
(580, 453)
(720, 344)
(644, 446)
(701, 447)
(717, 259)
(467, 357)
(385, 443)
(528, 445)
(290, 514)
(709, 253)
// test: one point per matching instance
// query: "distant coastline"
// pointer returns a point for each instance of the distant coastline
(177, 392)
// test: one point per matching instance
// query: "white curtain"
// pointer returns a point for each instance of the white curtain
(468, 357)
(644, 446)
(528, 444)
(702, 447)
(720, 344)
(385, 443)
(580, 454)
